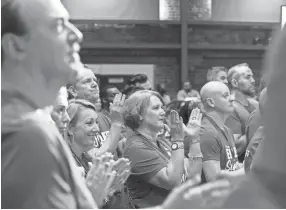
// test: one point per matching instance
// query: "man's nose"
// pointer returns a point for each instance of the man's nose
(66, 118)
(74, 36)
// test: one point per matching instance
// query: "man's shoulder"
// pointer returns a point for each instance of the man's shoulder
(31, 129)
(208, 132)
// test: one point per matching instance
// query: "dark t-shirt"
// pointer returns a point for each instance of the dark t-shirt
(252, 147)
(238, 118)
(146, 161)
(218, 144)
(252, 124)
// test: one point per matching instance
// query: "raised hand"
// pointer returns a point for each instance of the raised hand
(122, 168)
(191, 196)
(116, 109)
(176, 127)
(194, 125)
(100, 177)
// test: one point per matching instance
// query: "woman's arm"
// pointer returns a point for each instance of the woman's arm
(171, 175)
(195, 158)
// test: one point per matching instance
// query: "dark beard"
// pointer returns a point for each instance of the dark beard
(249, 93)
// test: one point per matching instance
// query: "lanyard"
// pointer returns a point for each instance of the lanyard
(216, 126)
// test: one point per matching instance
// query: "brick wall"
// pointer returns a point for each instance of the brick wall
(201, 61)
(166, 63)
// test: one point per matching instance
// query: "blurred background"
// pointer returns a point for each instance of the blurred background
(172, 41)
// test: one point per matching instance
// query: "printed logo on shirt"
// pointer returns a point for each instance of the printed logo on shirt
(232, 163)
(100, 138)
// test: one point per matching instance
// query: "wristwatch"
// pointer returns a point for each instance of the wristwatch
(175, 146)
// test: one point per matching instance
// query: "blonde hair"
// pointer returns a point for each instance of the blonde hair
(214, 71)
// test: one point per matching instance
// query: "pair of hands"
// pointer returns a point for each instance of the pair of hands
(107, 176)
(178, 130)
(116, 109)
(191, 195)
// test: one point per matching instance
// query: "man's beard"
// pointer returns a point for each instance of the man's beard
(249, 92)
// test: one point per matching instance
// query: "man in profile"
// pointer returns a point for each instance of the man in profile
(39, 54)
(217, 141)
(242, 83)
(265, 185)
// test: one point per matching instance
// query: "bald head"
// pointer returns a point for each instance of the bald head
(216, 95)
(212, 88)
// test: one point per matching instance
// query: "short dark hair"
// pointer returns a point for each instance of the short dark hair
(106, 87)
(130, 89)
(137, 78)
(186, 110)
(11, 21)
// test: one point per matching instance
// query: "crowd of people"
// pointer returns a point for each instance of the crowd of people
(67, 144)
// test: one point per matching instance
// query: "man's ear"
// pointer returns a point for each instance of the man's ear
(72, 91)
(234, 83)
(13, 46)
(210, 102)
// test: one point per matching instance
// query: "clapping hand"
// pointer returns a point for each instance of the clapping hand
(193, 127)
(100, 177)
(122, 168)
(116, 109)
(235, 178)
(176, 127)
(190, 195)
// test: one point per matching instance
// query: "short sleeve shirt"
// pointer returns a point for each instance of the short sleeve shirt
(237, 119)
(218, 144)
(146, 161)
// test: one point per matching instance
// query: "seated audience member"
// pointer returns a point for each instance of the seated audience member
(240, 78)
(187, 93)
(161, 89)
(157, 164)
(258, 135)
(59, 112)
(264, 186)
(217, 141)
(217, 73)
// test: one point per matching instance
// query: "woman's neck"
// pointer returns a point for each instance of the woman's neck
(150, 134)
(78, 150)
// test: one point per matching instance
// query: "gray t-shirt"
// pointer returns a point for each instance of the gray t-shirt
(38, 170)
